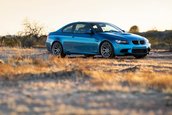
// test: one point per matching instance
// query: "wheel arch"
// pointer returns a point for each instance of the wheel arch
(103, 42)
(55, 42)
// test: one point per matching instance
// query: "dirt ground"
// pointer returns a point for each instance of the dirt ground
(73, 92)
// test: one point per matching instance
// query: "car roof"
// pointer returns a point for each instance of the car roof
(91, 22)
(87, 22)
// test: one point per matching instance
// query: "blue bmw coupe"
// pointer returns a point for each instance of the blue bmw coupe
(96, 38)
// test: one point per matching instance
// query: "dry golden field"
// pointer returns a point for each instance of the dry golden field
(32, 81)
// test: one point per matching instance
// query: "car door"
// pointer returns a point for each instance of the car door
(84, 42)
(67, 38)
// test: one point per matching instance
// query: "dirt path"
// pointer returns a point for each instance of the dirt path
(66, 92)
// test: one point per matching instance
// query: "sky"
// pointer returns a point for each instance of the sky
(53, 14)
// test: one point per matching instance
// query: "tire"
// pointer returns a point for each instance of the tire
(140, 56)
(57, 50)
(106, 50)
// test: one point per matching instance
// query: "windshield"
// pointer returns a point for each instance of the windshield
(105, 27)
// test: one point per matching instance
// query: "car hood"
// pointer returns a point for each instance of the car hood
(121, 36)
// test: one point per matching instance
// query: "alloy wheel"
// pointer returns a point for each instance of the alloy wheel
(106, 50)
(58, 50)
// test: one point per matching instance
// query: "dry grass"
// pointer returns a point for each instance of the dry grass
(35, 82)
(156, 74)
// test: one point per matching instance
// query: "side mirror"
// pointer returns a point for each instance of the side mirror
(123, 31)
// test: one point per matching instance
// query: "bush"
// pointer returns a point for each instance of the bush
(31, 36)
(33, 41)
(23, 41)
(134, 29)
(159, 39)
(10, 41)
(168, 39)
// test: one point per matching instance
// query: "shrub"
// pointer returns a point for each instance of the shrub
(11, 41)
(134, 29)
(168, 39)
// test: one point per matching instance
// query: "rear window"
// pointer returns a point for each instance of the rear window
(68, 29)
(81, 28)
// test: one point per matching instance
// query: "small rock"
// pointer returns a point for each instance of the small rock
(1, 62)
(131, 69)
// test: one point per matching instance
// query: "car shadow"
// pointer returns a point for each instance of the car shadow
(99, 57)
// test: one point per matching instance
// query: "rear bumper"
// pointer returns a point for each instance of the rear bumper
(131, 49)
(48, 46)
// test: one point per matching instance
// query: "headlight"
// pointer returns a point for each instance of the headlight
(147, 41)
(121, 41)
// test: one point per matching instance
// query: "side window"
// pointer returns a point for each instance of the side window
(96, 28)
(81, 28)
(107, 28)
(68, 29)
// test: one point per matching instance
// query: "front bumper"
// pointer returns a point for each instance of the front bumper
(131, 49)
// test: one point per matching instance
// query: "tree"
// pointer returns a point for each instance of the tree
(134, 29)
(31, 29)
(31, 33)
